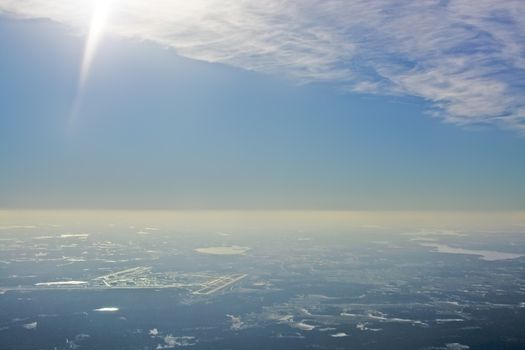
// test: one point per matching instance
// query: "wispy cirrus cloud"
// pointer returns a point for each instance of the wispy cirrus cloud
(465, 57)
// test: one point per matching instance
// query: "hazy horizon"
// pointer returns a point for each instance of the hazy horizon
(306, 220)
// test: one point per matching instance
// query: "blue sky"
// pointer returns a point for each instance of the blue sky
(304, 116)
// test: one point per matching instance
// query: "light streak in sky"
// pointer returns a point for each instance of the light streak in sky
(96, 29)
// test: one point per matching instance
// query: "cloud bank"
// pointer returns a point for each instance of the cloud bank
(467, 58)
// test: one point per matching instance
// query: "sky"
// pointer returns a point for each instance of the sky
(325, 105)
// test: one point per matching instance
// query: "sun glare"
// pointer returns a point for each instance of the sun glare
(100, 12)
(96, 29)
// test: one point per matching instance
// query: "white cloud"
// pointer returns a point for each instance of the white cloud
(236, 323)
(31, 325)
(339, 335)
(456, 346)
(466, 57)
(107, 309)
(170, 342)
(75, 235)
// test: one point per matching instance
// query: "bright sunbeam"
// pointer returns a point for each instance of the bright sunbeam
(96, 29)
(98, 23)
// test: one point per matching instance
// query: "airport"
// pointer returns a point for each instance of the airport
(142, 277)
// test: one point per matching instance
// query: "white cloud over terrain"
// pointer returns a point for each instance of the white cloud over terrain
(465, 57)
